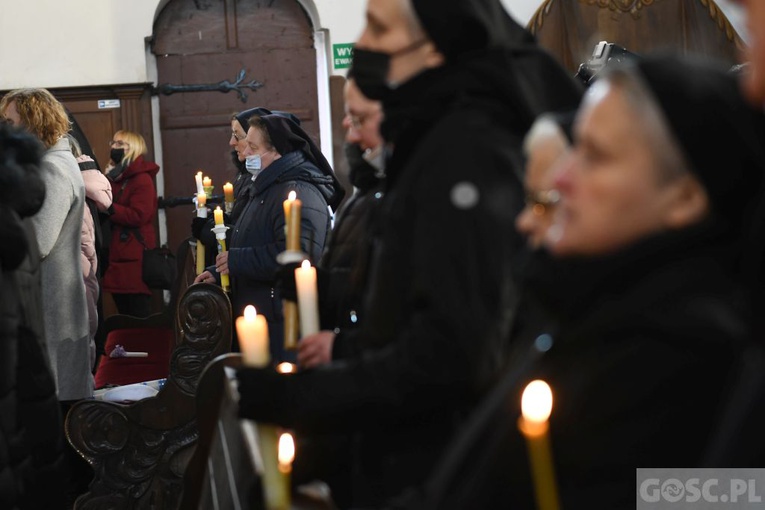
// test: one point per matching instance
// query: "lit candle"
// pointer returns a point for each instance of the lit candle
(198, 179)
(293, 227)
(286, 452)
(308, 304)
(228, 196)
(206, 182)
(220, 236)
(252, 331)
(292, 232)
(201, 213)
(287, 204)
(228, 192)
(285, 367)
(536, 407)
(278, 451)
(285, 457)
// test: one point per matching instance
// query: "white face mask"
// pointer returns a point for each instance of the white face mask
(254, 164)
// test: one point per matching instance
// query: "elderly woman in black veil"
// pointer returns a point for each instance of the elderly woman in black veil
(281, 158)
(646, 286)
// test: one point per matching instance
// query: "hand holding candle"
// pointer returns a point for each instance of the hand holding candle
(220, 236)
(308, 304)
(536, 407)
(252, 331)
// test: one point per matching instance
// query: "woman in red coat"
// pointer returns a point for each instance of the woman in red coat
(132, 222)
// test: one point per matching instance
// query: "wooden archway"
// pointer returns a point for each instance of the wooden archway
(569, 29)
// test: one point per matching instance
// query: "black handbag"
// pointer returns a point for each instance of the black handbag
(159, 269)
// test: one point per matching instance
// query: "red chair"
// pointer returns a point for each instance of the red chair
(153, 335)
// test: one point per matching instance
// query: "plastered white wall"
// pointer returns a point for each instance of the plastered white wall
(55, 43)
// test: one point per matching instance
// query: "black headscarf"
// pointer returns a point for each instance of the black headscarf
(461, 27)
(489, 59)
(243, 117)
(286, 136)
(722, 137)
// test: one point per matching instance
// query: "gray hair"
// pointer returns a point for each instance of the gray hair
(413, 22)
(544, 130)
(665, 147)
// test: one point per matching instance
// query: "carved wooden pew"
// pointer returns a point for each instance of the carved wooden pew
(224, 470)
(139, 451)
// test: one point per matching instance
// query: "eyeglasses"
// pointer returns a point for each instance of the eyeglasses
(541, 201)
(237, 137)
(118, 143)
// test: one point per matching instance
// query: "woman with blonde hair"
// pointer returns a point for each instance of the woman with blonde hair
(132, 222)
(58, 227)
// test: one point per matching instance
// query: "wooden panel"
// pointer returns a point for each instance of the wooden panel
(570, 29)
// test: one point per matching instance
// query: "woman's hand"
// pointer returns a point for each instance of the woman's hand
(315, 350)
(205, 277)
(221, 263)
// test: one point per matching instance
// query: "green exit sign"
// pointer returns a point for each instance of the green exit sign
(343, 55)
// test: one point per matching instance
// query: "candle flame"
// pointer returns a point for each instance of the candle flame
(306, 264)
(537, 401)
(286, 449)
(250, 313)
(292, 196)
(285, 368)
(199, 173)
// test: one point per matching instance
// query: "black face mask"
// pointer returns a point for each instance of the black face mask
(116, 155)
(370, 69)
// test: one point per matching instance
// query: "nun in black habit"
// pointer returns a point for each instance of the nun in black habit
(438, 306)
(651, 330)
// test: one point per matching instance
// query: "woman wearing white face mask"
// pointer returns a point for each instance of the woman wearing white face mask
(281, 158)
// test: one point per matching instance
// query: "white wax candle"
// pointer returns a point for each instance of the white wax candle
(252, 331)
(308, 303)
(198, 179)
(201, 205)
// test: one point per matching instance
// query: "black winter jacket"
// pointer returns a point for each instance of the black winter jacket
(344, 264)
(645, 344)
(258, 236)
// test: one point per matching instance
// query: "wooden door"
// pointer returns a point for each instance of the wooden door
(200, 42)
